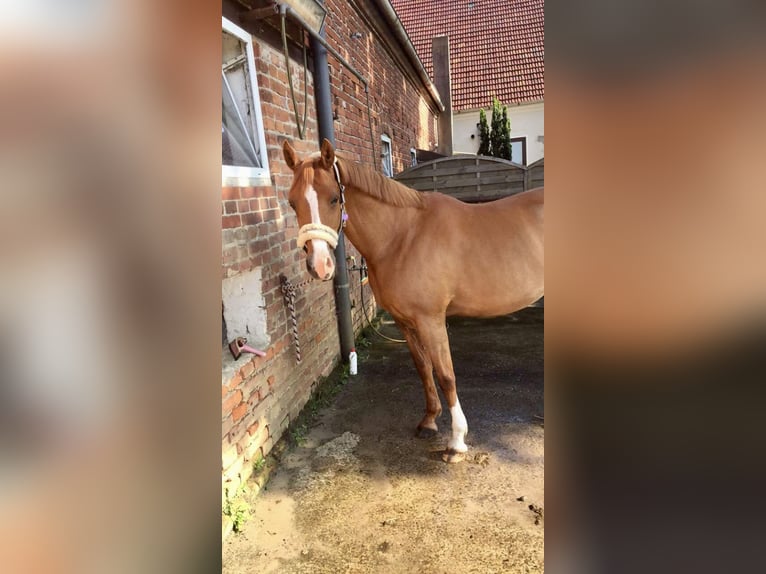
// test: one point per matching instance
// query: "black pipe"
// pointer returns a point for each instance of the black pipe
(323, 100)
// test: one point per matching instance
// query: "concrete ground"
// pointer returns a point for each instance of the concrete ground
(363, 495)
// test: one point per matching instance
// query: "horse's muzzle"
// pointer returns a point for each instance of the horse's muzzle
(321, 266)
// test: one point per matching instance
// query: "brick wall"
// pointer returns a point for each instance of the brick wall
(260, 396)
(398, 109)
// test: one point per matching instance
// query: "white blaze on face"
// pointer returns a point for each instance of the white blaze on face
(321, 258)
(459, 428)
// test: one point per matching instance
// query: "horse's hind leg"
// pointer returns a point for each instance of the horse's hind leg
(423, 364)
(433, 334)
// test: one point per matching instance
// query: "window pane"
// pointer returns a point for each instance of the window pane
(237, 145)
(517, 152)
(386, 158)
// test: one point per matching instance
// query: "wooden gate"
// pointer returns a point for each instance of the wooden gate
(473, 178)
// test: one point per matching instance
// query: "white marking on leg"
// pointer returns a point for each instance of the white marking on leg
(459, 428)
(322, 261)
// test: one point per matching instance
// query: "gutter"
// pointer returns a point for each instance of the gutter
(392, 19)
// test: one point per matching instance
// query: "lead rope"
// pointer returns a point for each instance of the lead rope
(288, 292)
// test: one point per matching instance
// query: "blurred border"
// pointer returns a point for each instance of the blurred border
(656, 288)
(110, 297)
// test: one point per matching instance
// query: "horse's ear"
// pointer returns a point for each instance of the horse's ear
(328, 154)
(291, 158)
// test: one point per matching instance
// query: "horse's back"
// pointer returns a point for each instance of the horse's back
(520, 213)
(497, 250)
(522, 200)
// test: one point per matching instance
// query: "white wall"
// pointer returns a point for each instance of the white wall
(527, 120)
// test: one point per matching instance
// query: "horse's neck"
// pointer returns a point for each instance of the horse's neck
(373, 226)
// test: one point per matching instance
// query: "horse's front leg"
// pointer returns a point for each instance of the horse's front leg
(423, 364)
(432, 332)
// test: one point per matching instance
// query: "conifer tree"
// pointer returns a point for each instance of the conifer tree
(505, 136)
(496, 136)
(495, 141)
(484, 147)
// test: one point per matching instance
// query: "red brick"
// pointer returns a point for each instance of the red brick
(253, 428)
(239, 412)
(247, 369)
(231, 402)
(251, 218)
(262, 245)
(230, 193)
(235, 381)
(230, 221)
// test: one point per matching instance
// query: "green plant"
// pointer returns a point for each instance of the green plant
(298, 432)
(259, 464)
(237, 508)
(363, 342)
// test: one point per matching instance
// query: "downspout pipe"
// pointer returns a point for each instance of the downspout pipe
(323, 100)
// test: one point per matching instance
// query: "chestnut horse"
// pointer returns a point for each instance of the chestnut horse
(428, 255)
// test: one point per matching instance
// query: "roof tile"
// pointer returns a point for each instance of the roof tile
(483, 35)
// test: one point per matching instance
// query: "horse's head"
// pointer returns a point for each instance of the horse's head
(315, 198)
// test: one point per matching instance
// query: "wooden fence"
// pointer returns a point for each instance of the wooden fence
(473, 178)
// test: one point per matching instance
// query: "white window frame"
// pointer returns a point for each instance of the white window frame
(241, 176)
(413, 157)
(385, 139)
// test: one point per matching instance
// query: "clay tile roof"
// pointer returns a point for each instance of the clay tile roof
(497, 47)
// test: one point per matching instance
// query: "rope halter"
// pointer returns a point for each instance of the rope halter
(320, 231)
(317, 231)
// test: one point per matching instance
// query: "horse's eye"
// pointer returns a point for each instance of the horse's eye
(334, 200)
(292, 205)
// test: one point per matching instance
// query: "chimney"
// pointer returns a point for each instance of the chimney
(443, 83)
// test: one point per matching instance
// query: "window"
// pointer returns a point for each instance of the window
(385, 156)
(519, 150)
(243, 146)
(413, 157)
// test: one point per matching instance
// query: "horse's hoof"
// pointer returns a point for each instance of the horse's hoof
(425, 432)
(452, 456)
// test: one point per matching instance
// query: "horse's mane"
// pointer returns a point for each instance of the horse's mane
(378, 186)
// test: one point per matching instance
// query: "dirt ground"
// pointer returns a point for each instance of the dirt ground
(363, 495)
